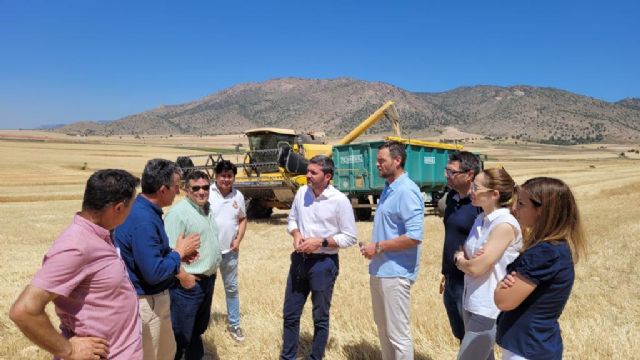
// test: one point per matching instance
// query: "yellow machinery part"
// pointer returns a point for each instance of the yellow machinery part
(311, 150)
(431, 144)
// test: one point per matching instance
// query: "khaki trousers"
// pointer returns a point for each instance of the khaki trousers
(158, 342)
(390, 300)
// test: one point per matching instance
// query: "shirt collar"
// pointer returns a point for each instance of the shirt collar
(98, 230)
(396, 183)
(326, 193)
(461, 199)
(496, 213)
(194, 205)
(144, 201)
(215, 188)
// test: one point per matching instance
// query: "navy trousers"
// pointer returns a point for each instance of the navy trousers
(190, 313)
(452, 296)
(308, 274)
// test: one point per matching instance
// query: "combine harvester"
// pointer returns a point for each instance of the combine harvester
(275, 166)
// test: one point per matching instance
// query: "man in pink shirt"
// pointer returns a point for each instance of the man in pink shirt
(87, 281)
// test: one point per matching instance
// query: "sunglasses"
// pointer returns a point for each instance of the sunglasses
(198, 187)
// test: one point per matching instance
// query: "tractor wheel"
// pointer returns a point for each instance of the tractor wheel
(256, 210)
(442, 204)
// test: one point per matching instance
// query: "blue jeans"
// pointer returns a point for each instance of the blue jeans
(308, 274)
(452, 296)
(229, 272)
(190, 313)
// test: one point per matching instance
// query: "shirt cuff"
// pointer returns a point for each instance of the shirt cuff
(415, 235)
(176, 256)
(292, 226)
(344, 240)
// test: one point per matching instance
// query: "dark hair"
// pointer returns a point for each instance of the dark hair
(468, 161)
(106, 187)
(499, 179)
(325, 162)
(226, 165)
(195, 175)
(156, 173)
(396, 149)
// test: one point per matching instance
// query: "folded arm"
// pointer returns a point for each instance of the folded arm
(499, 240)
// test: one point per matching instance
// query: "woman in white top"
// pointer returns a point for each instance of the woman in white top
(492, 244)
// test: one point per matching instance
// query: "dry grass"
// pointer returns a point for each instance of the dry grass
(41, 186)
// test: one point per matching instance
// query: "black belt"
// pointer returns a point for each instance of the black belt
(316, 256)
(203, 276)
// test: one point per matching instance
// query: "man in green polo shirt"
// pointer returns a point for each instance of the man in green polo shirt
(191, 301)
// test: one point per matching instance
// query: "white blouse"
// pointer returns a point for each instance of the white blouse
(478, 291)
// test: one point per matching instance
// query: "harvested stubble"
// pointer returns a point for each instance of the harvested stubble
(41, 187)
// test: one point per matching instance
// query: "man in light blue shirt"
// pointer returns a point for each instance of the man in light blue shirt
(394, 252)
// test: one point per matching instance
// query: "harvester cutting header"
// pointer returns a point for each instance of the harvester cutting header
(275, 166)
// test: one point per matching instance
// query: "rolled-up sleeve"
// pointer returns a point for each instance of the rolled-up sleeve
(292, 223)
(412, 213)
(346, 224)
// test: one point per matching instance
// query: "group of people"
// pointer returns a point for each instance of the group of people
(321, 221)
(508, 260)
(130, 284)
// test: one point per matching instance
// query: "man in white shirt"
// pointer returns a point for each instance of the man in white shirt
(320, 221)
(228, 209)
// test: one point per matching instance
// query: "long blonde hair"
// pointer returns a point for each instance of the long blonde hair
(559, 215)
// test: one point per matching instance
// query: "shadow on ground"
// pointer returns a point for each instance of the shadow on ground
(275, 219)
(367, 351)
(210, 352)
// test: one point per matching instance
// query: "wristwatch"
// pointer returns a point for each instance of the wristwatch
(325, 242)
(379, 248)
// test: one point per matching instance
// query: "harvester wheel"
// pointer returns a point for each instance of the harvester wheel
(256, 210)
(363, 214)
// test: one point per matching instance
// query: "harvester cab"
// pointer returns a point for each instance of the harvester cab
(271, 149)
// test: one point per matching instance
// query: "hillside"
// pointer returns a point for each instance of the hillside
(336, 106)
(633, 103)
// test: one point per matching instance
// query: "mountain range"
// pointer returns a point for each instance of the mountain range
(335, 106)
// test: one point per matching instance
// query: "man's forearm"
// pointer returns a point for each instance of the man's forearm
(242, 228)
(402, 242)
(38, 328)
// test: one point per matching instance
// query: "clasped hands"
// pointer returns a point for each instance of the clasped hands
(307, 245)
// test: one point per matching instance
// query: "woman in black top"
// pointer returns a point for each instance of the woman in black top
(533, 296)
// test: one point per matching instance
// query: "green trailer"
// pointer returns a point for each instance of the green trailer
(357, 176)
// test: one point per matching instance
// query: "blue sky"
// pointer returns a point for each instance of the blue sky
(64, 61)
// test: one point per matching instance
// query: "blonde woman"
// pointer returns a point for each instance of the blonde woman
(533, 296)
(493, 243)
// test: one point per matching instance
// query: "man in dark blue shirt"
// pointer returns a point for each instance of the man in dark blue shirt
(459, 216)
(152, 265)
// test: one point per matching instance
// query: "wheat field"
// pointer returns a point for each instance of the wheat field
(41, 185)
